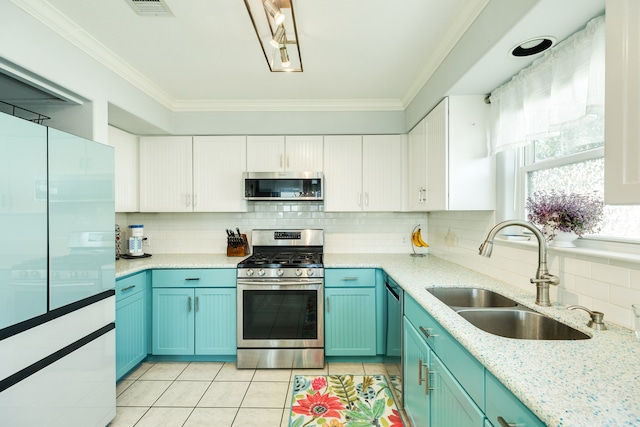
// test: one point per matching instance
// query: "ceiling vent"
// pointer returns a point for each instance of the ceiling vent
(150, 7)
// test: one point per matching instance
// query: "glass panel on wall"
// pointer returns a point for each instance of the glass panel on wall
(81, 211)
(23, 215)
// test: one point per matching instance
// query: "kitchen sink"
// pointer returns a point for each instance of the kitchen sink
(520, 323)
(471, 297)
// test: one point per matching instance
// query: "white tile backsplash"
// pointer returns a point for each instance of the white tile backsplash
(345, 232)
(587, 277)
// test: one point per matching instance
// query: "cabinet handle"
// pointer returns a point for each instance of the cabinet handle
(192, 278)
(420, 195)
(188, 199)
(127, 288)
(328, 307)
(426, 333)
(349, 279)
(426, 380)
(287, 161)
(281, 156)
(195, 200)
(189, 304)
(420, 366)
(196, 304)
(360, 199)
(503, 423)
(366, 198)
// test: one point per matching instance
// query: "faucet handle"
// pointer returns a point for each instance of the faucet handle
(597, 317)
(547, 278)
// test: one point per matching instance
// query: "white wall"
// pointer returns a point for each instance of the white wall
(346, 232)
(599, 281)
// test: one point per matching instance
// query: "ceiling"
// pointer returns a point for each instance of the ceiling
(357, 54)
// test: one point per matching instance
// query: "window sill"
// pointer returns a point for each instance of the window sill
(622, 254)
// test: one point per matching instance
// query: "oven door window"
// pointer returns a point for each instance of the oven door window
(280, 315)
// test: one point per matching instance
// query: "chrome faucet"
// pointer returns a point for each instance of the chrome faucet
(543, 278)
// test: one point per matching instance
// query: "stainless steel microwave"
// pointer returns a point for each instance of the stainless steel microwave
(283, 185)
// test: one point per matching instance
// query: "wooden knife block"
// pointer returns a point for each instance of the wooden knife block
(241, 250)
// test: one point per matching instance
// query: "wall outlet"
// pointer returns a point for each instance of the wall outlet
(146, 241)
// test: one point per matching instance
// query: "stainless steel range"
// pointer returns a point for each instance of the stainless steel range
(280, 301)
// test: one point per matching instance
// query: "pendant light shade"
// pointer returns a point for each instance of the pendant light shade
(284, 57)
(274, 11)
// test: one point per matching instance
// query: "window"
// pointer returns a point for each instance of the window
(550, 117)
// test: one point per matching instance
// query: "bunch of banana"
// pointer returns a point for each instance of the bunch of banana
(416, 239)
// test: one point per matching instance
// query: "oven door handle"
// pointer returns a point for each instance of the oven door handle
(278, 282)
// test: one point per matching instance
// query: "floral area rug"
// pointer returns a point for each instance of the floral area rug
(343, 401)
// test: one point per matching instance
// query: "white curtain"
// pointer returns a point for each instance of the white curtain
(563, 88)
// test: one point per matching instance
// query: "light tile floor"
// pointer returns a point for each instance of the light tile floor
(214, 394)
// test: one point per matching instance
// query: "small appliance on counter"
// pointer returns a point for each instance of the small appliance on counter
(135, 241)
(237, 244)
(118, 245)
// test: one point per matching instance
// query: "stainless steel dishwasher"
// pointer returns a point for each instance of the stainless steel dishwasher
(393, 355)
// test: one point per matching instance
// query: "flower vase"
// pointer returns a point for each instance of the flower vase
(564, 239)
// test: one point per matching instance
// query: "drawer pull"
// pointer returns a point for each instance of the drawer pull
(426, 333)
(192, 278)
(349, 279)
(503, 423)
(127, 288)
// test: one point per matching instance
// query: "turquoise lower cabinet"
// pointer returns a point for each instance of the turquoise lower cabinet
(173, 321)
(504, 409)
(188, 321)
(215, 321)
(131, 322)
(432, 396)
(194, 312)
(416, 359)
(350, 321)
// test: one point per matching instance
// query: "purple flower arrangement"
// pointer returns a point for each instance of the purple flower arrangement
(557, 211)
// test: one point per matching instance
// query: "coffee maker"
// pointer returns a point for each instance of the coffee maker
(136, 236)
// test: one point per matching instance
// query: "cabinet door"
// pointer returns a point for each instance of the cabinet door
(127, 165)
(382, 173)
(23, 175)
(622, 96)
(265, 154)
(173, 321)
(343, 173)
(166, 174)
(418, 167)
(450, 404)
(215, 321)
(131, 336)
(303, 153)
(437, 157)
(218, 163)
(416, 360)
(502, 404)
(350, 322)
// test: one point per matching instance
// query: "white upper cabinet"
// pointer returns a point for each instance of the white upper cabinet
(622, 103)
(363, 173)
(284, 154)
(166, 174)
(218, 163)
(450, 165)
(127, 170)
(417, 167)
(185, 174)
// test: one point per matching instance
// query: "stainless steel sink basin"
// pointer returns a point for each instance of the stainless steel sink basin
(521, 324)
(471, 297)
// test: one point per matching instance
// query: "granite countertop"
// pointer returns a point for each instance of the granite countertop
(594, 382)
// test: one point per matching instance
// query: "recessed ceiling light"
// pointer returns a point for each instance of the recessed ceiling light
(533, 46)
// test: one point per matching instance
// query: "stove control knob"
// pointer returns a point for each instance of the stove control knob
(298, 272)
(249, 272)
(309, 271)
(279, 272)
(261, 272)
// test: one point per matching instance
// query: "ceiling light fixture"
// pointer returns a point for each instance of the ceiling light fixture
(278, 37)
(274, 11)
(533, 46)
(275, 25)
(284, 57)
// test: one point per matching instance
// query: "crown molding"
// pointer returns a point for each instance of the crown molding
(290, 105)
